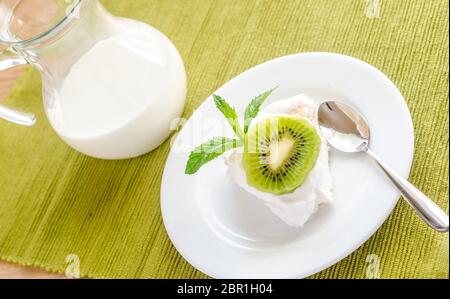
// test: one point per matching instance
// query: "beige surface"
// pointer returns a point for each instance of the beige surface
(12, 271)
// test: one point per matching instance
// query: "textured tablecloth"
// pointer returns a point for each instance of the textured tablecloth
(55, 202)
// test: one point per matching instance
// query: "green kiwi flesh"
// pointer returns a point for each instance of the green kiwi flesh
(279, 153)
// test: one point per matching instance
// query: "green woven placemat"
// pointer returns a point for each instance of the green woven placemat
(55, 201)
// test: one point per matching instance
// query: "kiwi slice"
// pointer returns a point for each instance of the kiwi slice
(279, 153)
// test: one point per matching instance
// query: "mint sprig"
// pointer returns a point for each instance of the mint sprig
(253, 108)
(230, 114)
(208, 151)
(216, 146)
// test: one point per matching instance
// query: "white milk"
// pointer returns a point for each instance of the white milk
(121, 98)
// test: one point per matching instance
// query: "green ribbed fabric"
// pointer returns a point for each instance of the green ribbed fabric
(55, 201)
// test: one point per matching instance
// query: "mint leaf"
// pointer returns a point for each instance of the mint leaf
(253, 107)
(208, 151)
(230, 114)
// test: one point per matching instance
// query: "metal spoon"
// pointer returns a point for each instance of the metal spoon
(346, 130)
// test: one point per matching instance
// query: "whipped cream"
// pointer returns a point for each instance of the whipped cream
(295, 208)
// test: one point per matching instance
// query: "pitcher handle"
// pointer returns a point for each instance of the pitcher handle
(15, 116)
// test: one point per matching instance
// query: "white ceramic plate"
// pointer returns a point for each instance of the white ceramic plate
(226, 233)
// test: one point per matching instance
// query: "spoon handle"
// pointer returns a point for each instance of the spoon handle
(431, 213)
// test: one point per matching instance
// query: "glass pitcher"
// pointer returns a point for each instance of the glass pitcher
(112, 87)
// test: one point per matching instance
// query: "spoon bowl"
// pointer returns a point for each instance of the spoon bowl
(344, 128)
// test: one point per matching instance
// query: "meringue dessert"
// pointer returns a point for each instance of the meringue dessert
(279, 157)
(297, 207)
